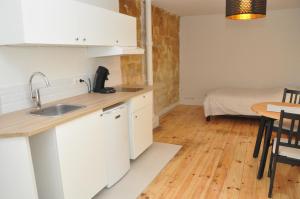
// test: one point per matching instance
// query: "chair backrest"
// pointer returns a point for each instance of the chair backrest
(291, 96)
(293, 140)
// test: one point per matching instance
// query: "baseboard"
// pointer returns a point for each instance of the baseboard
(167, 109)
(191, 102)
(161, 113)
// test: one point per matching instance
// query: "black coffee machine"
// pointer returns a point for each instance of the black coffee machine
(99, 82)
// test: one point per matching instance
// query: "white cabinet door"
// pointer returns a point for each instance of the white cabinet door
(63, 22)
(141, 133)
(96, 26)
(115, 126)
(81, 155)
(126, 30)
(17, 179)
(50, 22)
(101, 27)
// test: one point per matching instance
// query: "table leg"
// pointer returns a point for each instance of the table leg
(265, 149)
(259, 136)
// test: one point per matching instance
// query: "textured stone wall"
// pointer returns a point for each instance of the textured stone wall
(165, 55)
(133, 67)
(165, 58)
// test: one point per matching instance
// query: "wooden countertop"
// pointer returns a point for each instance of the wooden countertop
(23, 124)
(261, 109)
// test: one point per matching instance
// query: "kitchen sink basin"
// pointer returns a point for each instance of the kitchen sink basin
(128, 89)
(57, 110)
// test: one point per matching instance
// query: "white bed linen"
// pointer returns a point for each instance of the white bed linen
(238, 101)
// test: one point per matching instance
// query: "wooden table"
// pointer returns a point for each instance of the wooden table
(266, 125)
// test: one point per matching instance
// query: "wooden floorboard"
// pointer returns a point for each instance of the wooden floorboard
(215, 160)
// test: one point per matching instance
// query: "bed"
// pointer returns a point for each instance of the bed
(238, 101)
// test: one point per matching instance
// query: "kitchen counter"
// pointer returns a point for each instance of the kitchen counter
(23, 124)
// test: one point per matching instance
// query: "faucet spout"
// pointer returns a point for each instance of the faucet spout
(35, 93)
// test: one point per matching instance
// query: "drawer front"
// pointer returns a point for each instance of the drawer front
(141, 101)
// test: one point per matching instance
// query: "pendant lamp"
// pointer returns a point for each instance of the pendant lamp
(246, 9)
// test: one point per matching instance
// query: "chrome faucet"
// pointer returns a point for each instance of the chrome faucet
(35, 93)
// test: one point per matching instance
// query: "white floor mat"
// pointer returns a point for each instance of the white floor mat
(143, 170)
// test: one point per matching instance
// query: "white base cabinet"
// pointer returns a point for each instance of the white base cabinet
(140, 124)
(70, 160)
(16, 170)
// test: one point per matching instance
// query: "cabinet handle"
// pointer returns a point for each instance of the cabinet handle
(136, 116)
(118, 116)
(84, 39)
(77, 39)
(117, 41)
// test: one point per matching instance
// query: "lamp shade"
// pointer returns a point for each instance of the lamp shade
(246, 9)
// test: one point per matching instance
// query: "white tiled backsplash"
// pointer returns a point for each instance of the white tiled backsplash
(17, 97)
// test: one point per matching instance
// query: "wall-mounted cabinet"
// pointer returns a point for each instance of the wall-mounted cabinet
(67, 22)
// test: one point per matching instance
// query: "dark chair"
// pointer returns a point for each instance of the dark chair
(289, 96)
(285, 150)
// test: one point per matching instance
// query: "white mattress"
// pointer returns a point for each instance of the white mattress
(236, 101)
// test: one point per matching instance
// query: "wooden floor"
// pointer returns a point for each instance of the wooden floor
(215, 161)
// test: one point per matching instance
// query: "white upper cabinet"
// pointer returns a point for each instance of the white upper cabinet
(125, 35)
(63, 22)
(47, 22)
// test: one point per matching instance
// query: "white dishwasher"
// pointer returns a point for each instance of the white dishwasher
(116, 129)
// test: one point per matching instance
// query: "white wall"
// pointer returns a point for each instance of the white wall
(216, 53)
(61, 64)
(108, 4)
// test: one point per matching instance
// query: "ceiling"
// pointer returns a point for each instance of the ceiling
(202, 7)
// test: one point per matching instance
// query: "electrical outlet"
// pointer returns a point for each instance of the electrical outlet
(76, 80)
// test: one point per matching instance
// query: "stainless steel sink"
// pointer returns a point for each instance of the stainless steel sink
(57, 110)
